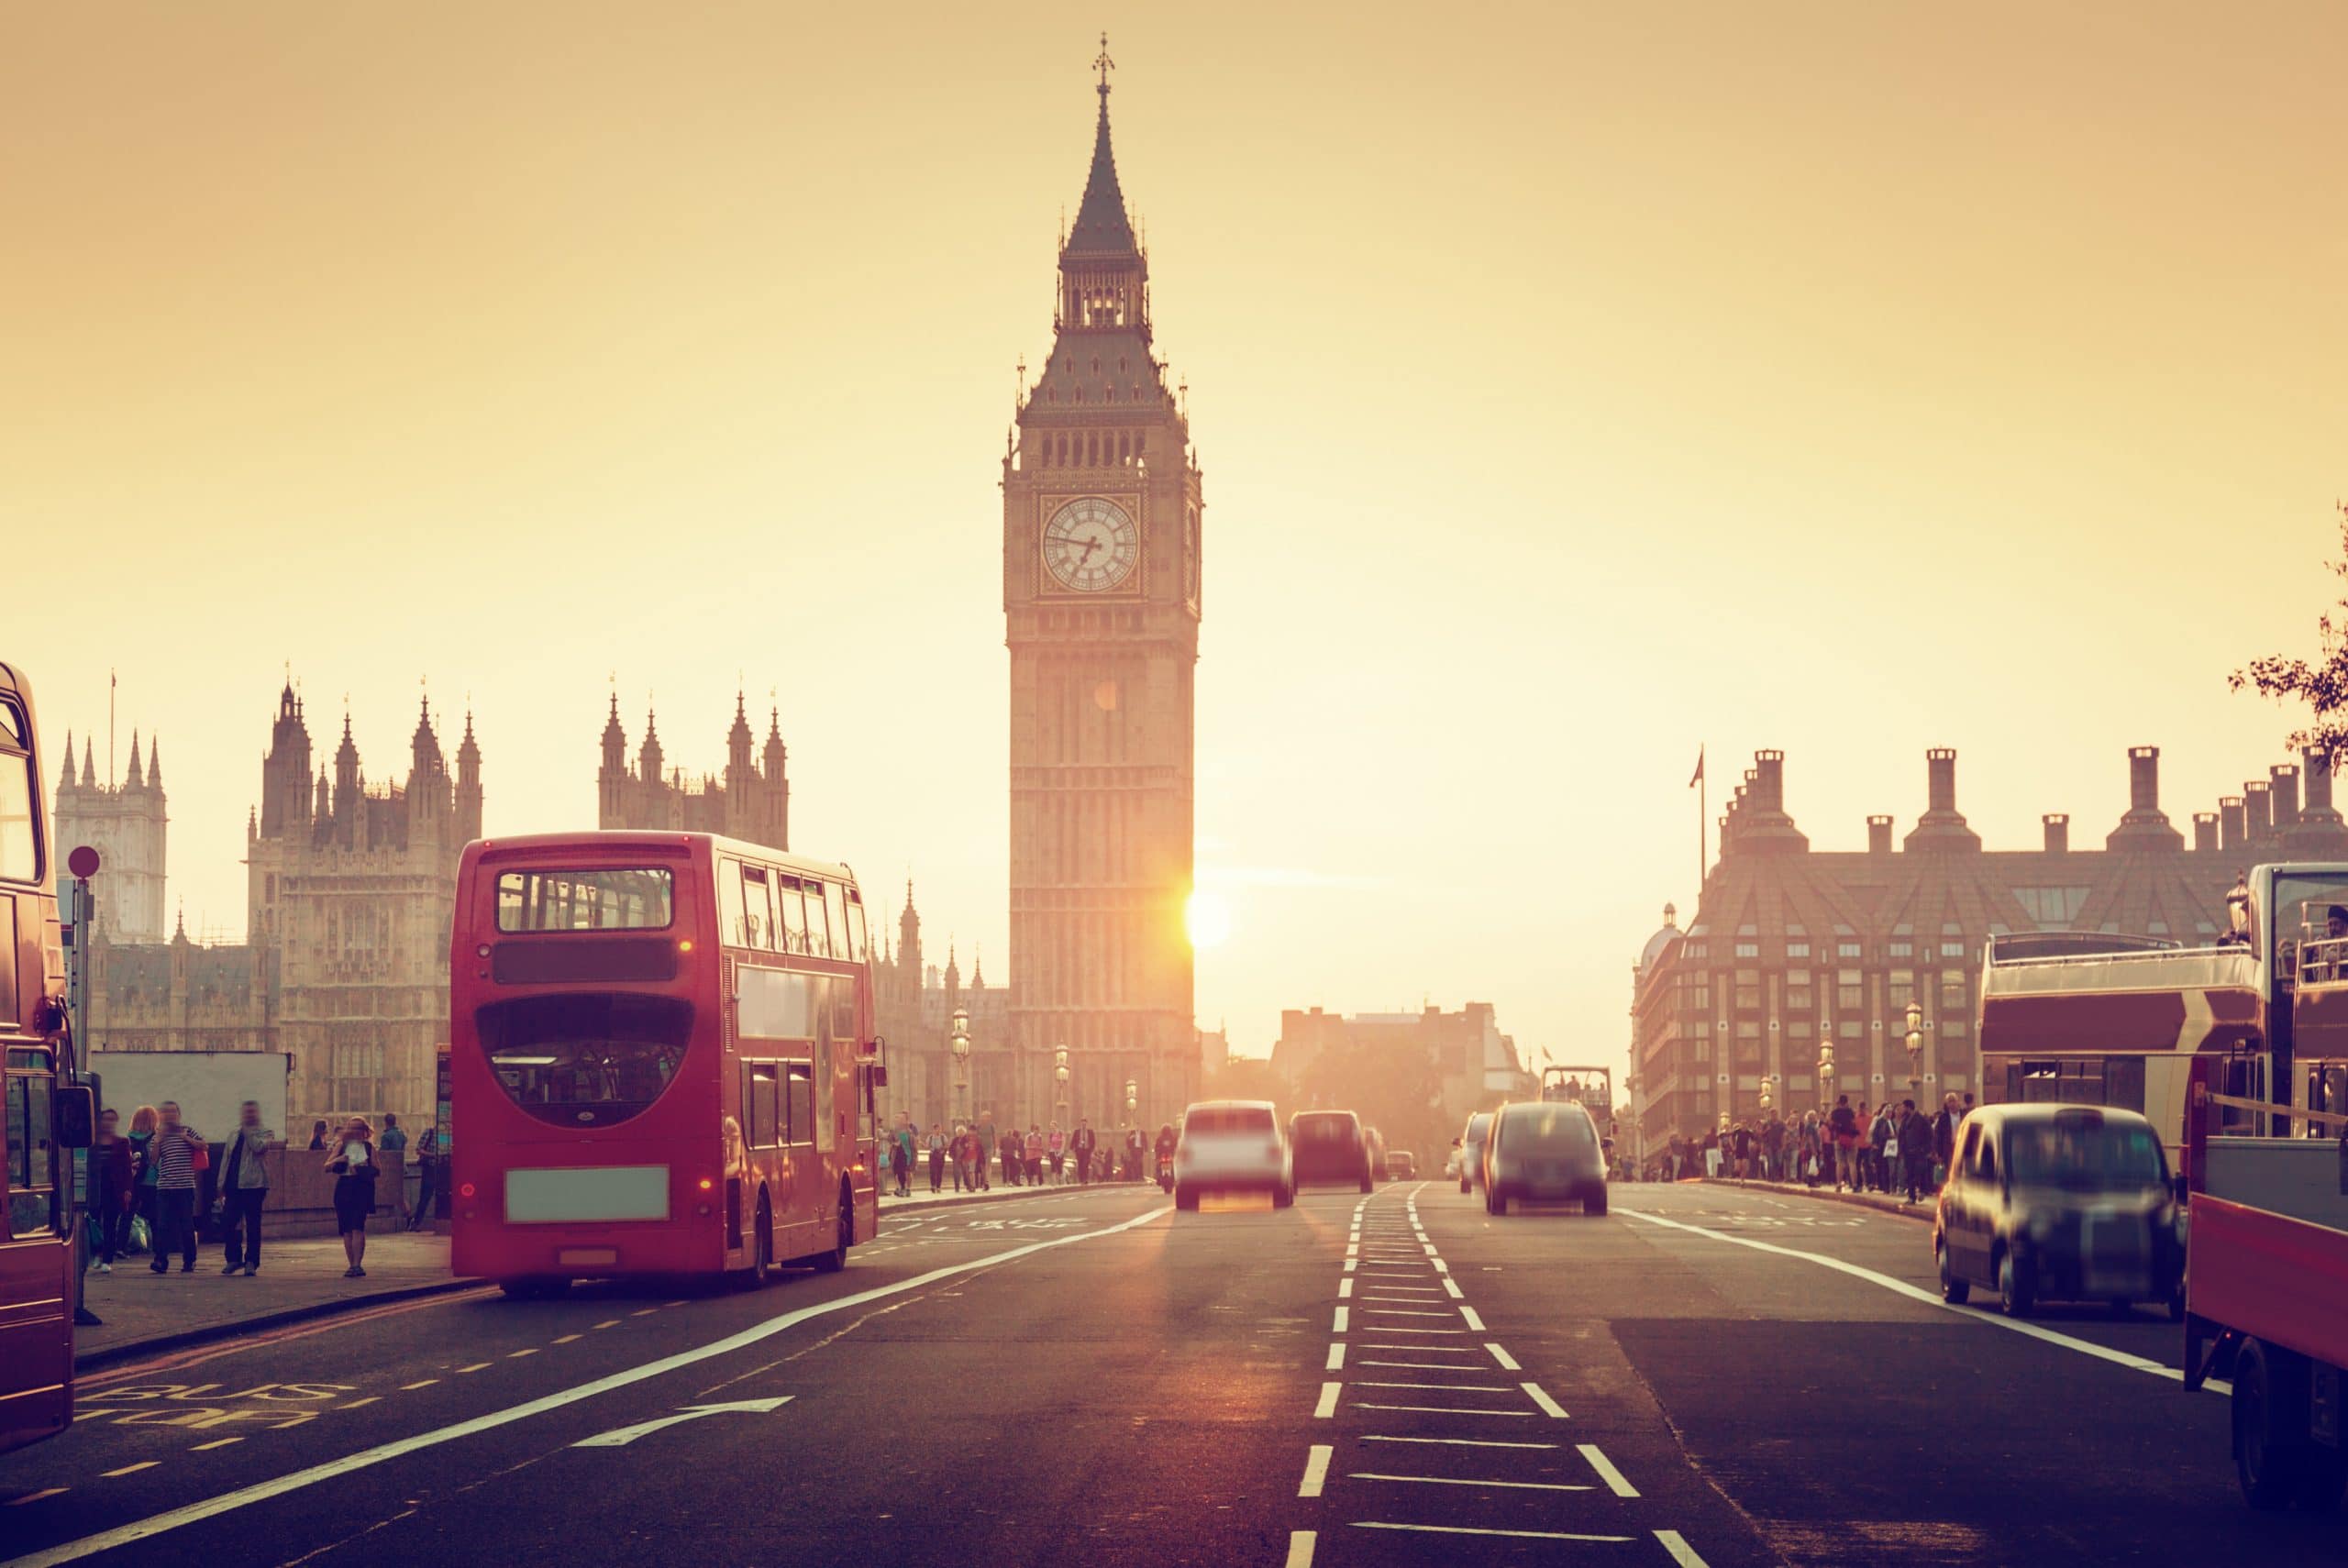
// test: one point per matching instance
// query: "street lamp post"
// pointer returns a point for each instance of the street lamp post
(1059, 1092)
(1915, 1048)
(960, 1043)
(1133, 1098)
(1825, 1073)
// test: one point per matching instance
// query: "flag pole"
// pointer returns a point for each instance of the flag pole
(1703, 810)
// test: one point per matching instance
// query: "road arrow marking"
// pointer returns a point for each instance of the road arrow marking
(621, 1437)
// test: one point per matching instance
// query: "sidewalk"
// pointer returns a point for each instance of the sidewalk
(922, 1198)
(1875, 1200)
(148, 1311)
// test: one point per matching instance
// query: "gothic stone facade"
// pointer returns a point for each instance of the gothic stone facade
(1101, 525)
(1790, 946)
(126, 823)
(752, 802)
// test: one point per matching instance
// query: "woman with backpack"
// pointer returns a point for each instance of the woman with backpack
(353, 1166)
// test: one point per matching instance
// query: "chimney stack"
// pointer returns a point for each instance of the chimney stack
(2143, 779)
(2145, 827)
(2205, 832)
(2284, 794)
(1878, 835)
(2258, 817)
(1940, 776)
(2233, 823)
(2058, 833)
(2319, 812)
(1768, 778)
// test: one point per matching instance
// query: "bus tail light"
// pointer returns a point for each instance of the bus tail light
(684, 945)
(706, 1184)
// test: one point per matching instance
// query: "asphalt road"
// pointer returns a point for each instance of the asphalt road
(1706, 1376)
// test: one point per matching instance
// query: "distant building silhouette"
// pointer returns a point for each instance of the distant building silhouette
(751, 801)
(126, 824)
(1789, 946)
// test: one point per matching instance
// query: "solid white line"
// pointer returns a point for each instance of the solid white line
(278, 1487)
(1422, 1350)
(1403, 1293)
(1930, 1298)
(1513, 1534)
(1339, 1326)
(1452, 1285)
(1442, 1410)
(1382, 1328)
(1443, 1387)
(1682, 1552)
(1541, 1397)
(1328, 1405)
(1316, 1469)
(1455, 1481)
(1606, 1471)
(1502, 1356)
(1457, 1442)
(1405, 1312)
(1300, 1549)
(1422, 1366)
(1337, 1356)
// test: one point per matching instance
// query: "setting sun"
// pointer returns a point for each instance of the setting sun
(1208, 918)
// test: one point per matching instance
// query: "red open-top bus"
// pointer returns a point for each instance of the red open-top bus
(661, 1060)
(37, 1102)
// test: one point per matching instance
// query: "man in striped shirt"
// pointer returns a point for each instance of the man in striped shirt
(173, 1155)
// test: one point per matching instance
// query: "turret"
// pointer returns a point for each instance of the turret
(648, 761)
(468, 785)
(136, 778)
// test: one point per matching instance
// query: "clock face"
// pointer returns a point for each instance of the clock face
(1090, 544)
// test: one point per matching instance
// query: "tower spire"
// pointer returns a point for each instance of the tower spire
(1101, 226)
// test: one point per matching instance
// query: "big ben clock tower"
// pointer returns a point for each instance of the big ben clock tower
(1101, 597)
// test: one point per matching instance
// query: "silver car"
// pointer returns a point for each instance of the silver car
(1232, 1145)
(1471, 1149)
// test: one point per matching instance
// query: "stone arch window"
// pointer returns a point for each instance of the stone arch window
(1124, 449)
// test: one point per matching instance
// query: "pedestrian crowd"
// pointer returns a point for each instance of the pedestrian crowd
(154, 1187)
(1893, 1148)
(972, 1154)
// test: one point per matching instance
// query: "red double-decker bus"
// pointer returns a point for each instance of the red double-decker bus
(42, 1114)
(661, 1060)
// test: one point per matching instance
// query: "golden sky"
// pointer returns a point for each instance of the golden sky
(1574, 384)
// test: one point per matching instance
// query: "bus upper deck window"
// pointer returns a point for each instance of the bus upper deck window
(19, 845)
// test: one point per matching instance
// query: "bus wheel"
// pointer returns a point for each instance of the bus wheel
(762, 1260)
(2267, 1451)
(836, 1259)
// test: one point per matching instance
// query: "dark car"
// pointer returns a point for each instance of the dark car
(1543, 1152)
(1328, 1146)
(2060, 1203)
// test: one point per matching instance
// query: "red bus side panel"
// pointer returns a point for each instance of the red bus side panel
(2284, 1280)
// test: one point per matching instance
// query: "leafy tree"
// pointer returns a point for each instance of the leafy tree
(1247, 1077)
(2323, 685)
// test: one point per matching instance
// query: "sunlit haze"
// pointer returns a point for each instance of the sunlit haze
(1574, 386)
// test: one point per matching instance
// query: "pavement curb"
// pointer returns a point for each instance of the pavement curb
(1923, 1211)
(107, 1355)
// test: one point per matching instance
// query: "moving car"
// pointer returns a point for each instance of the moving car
(1328, 1146)
(2060, 1203)
(1471, 1149)
(1231, 1146)
(1543, 1152)
(1401, 1164)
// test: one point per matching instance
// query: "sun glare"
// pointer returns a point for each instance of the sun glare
(1208, 919)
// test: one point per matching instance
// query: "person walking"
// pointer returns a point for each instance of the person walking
(987, 1142)
(1842, 1126)
(110, 1188)
(244, 1188)
(1013, 1156)
(143, 1123)
(1033, 1151)
(1881, 1133)
(427, 1176)
(394, 1143)
(1944, 1126)
(1916, 1149)
(935, 1145)
(1082, 1147)
(353, 1168)
(1136, 1145)
(901, 1159)
(1056, 1147)
(176, 1154)
(318, 1134)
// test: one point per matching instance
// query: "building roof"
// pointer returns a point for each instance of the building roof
(1102, 227)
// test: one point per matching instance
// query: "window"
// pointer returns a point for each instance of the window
(800, 1102)
(858, 950)
(1951, 949)
(835, 896)
(1903, 949)
(1846, 950)
(762, 1104)
(2052, 908)
(1848, 1029)
(1900, 989)
(1699, 950)
(1798, 949)
(1952, 991)
(1748, 1029)
(1748, 989)
(585, 1059)
(758, 909)
(1748, 950)
(1798, 993)
(1984, 1155)
(791, 917)
(19, 844)
(1850, 995)
(32, 1155)
(819, 940)
(634, 898)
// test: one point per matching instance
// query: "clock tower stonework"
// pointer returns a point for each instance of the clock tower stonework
(1100, 593)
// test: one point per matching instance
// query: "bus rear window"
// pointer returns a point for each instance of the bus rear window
(585, 1060)
(607, 898)
(1241, 1119)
